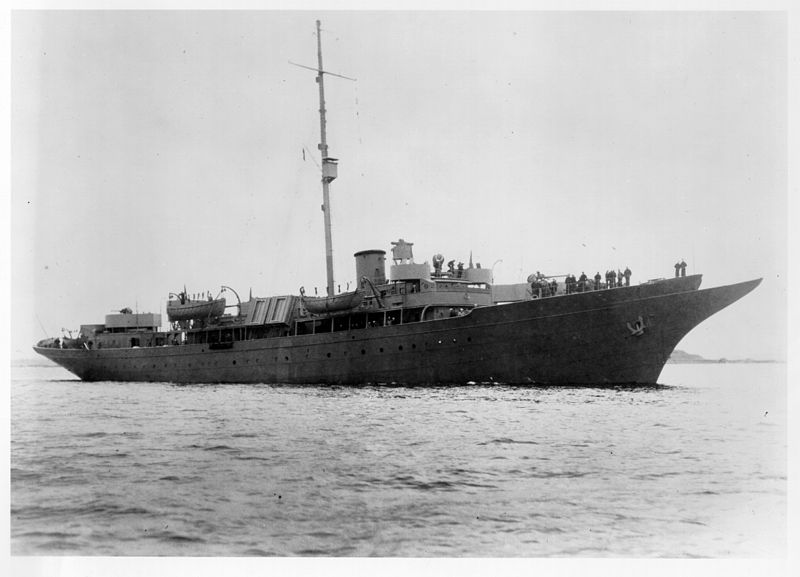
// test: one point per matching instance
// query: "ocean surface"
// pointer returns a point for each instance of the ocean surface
(696, 468)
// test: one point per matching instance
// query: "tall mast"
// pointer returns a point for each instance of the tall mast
(329, 166)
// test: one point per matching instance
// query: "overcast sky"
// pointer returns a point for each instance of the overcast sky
(156, 149)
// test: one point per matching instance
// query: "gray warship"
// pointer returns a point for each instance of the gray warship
(421, 324)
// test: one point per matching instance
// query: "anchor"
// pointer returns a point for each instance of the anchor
(637, 329)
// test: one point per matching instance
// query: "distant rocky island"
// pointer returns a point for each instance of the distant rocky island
(682, 357)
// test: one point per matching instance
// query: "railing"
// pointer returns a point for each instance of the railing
(543, 289)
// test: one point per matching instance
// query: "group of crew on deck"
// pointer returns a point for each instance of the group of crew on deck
(545, 286)
(453, 270)
(616, 278)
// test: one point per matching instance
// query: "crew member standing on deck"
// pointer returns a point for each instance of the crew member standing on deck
(627, 274)
(597, 278)
(677, 269)
(683, 268)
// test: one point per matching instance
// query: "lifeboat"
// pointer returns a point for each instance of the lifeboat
(186, 309)
(341, 302)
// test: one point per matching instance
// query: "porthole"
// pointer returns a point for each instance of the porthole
(234, 362)
(454, 340)
(329, 355)
(381, 349)
(413, 345)
(469, 339)
(400, 348)
(363, 352)
(287, 358)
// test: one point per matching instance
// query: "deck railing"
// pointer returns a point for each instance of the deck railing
(543, 289)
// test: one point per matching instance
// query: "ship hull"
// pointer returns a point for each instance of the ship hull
(617, 336)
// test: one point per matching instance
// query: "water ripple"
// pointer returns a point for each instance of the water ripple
(507, 441)
(480, 470)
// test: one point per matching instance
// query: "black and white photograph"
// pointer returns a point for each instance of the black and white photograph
(398, 283)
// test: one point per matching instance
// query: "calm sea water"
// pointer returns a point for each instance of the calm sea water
(693, 469)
